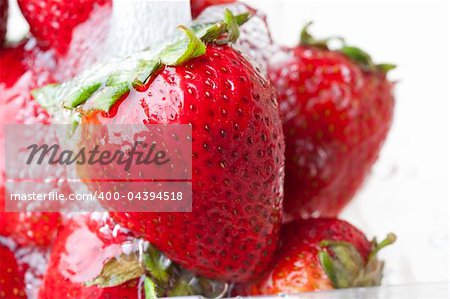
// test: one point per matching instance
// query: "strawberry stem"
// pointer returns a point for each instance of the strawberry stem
(356, 54)
(376, 247)
(150, 289)
(345, 267)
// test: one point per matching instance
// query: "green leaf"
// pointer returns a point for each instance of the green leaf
(243, 18)
(150, 289)
(358, 55)
(345, 267)
(327, 264)
(233, 26)
(307, 39)
(157, 265)
(144, 71)
(183, 50)
(118, 271)
(81, 95)
(105, 98)
(181, 288)
(385, 67)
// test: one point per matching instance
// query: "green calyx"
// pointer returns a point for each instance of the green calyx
(346, 268)
(159, 276)
(100, 89)
(356, 54)
(307, 39)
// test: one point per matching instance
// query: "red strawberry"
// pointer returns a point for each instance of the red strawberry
(3, 20)
(78, 256)
(321, 254)
(93, 259)
(337, 108)
(237, 153)
(197, 6)
(12, 284)
(52, 22)
(24, 68)
(30, 228)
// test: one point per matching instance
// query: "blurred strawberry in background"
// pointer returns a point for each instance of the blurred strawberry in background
(12, 275)
(52, 22)
(24, 67)
(337, 108)
(3, 20)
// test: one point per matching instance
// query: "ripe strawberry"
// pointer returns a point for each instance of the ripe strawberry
(30, 228)
(337, 108)
(24, 68)
(93, 258)
(12, 285)
(197, 6)
(321, 254)
(237, 151)
(52, 22)
(3, 20)
(19, 74)
(78, 256)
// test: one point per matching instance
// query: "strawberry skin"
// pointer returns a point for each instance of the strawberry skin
(197, 6)
(12, 285)
(30, 228)
(53, 21)
(298, 266)
(3, 20)
(336, 116)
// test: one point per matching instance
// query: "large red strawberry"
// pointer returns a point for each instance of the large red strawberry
(24, 67)
(52, 22)
(197, 6)
(12, 283)
(336, 108)
(3, 20)
(321, 254)
(237, 149)
(93, 258)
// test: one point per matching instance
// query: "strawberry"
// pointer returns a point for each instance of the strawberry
(321, 254)
(94, 258)
(3, 20)
(52, 22)
(12, 285)
(78, 256)
(24, 67)
(30, 228)
(197, 6)
(237, 149)
(337, 109)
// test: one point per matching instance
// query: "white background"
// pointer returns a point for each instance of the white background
(408, 192)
